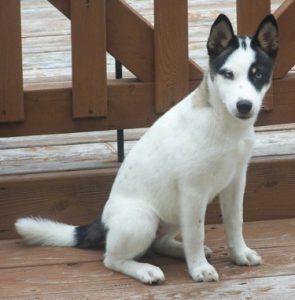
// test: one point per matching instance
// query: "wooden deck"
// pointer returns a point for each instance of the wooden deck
(68, 178)
(60, 273)
(47, 47)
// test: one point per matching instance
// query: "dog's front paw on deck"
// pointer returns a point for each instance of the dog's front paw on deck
(204, 272)
(246, 257)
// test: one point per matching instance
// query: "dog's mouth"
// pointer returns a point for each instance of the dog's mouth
(244, 117)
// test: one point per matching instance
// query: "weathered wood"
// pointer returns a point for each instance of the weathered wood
(130, 38)
(17, 254)
(98, 150)
(11, 81)
(88, 19)
(48, 111)
(131, 106)
(77, 196)
(70, 139)
(86, 279)
(43, 40)
(283, 91)
(68, 196)
(249, 15)
(171, 53)
(286, 21)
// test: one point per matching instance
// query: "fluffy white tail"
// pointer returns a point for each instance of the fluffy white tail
(38, 231)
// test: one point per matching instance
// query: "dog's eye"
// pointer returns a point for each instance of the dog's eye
(227, 74)
(258, 75)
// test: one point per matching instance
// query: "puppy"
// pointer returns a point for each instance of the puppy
(197, 150)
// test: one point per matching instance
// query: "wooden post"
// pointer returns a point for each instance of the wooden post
(88, 19)
(285, 16)
(11, 76)
(171, 53)
(250, 13)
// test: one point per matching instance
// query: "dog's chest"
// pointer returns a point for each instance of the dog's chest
(224, 166)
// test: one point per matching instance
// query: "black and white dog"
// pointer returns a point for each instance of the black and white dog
(199, 149)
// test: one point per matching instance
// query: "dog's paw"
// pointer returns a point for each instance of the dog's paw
(150, 274)
(204, 272)
(246, 257)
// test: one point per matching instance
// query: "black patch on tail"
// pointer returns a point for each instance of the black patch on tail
(91, 236)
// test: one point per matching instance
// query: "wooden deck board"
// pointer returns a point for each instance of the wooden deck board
(46, 36)
(62, 273)
(98, 150)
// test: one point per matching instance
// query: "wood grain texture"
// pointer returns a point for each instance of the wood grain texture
(11, 81)
(60, 273)
(98, 150)
(171, 53)
(88, 20)
(78, 196)
(131, 105)
(46, 43)
(286, 21)
(250, 13)
(75, 197)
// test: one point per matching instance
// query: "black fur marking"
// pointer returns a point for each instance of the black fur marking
(243, 42)
(217, 61)
(91, 236)
(260, 71)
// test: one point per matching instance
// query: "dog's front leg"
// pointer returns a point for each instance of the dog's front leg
(193, 209)
(231, 201)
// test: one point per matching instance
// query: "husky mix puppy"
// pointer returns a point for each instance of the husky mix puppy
(197, 150)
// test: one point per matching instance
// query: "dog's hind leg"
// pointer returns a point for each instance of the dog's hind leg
(129, 236)
(169, 246)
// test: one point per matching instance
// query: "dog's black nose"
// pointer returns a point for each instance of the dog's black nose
(244, 106)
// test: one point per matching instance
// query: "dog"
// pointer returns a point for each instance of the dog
(197, 150)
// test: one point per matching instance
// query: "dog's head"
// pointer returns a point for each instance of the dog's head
(241, 66)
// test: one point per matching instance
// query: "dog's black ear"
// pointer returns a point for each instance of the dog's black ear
(221, 34)
(267, 36)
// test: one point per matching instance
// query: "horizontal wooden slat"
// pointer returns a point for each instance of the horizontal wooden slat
(78, 196)
(11, 80)
(286, 21)
(171, 57)
(95, 151)
(131, 105)
(88, 20)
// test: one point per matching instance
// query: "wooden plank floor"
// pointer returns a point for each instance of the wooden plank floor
(62, 273)
(47, 47)
(98, 150)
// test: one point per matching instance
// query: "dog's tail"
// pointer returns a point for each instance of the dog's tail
(38, 231)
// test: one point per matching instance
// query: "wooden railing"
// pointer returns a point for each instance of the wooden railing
(161, 65)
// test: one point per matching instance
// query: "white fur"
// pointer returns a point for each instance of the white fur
(196, 151)
(38, 231)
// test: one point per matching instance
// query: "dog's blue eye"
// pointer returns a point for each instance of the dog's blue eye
(258, 75)
(227, 74)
